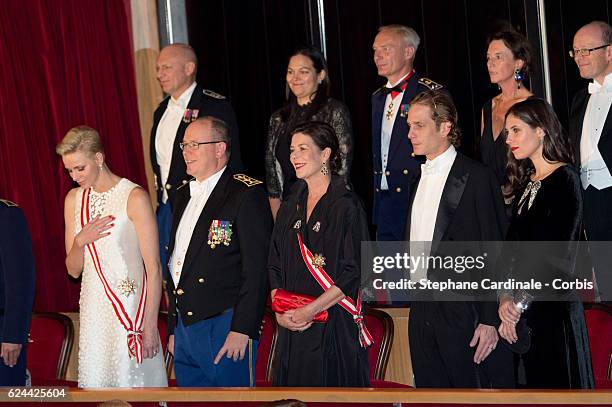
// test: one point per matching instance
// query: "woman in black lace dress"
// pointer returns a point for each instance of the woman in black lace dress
(542, 244)
(508, 63)
(308, 99)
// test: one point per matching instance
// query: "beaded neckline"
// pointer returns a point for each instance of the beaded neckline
(108, 191)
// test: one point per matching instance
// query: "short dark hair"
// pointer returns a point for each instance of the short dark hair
(442, 110)
(518, 44)
(324, 137)
(556, 146)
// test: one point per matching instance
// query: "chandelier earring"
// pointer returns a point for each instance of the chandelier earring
(324, 169)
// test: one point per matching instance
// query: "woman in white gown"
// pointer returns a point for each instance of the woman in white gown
(111, 239)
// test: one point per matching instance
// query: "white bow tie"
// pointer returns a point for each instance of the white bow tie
(196, 188)
(595, 87)
(175, 104)
(428, 168)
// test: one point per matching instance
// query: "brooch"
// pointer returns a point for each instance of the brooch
(220, 232)
(126, 287)
(317, 226)
(318, 260)
(298, 224)
(190, 115)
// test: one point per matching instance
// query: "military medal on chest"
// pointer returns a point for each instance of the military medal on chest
(389, 114)
(220, 232)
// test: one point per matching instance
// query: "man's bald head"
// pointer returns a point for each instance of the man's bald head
(596, 37)
(176, 68)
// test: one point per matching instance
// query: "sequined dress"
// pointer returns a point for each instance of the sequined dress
(104, 360)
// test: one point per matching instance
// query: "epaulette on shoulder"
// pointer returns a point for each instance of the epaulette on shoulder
(212, 94)
(432, 85)
(7, 203)
(246, 180)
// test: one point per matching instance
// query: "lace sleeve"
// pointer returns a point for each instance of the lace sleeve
(340, 120)
(273, 183)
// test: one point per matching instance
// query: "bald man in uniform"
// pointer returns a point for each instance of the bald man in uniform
(176, 68)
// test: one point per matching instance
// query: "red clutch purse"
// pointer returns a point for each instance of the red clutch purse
(286, 300)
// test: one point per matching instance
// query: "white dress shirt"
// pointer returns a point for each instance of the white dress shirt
(428, 194)
(593, 170)
(200, 192)
(166, 133)
(387, 129)
(425, 207)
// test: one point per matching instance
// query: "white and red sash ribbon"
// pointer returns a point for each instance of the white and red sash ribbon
(133, 328)
(325, 281)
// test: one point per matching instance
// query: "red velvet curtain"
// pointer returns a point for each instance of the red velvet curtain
(63, 63)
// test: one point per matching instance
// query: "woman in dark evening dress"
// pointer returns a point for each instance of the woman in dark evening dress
(508, 63)
(308, 88)
(331, 221)
(548, 208)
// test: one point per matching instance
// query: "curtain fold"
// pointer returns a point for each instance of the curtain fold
(64, 63)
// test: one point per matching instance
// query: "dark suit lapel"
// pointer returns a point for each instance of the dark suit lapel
(179, 208)
(413, 189)
(577, 118)
(157, 115)
(200, 232)
(451, 196)
(400, 128)
(378, 102)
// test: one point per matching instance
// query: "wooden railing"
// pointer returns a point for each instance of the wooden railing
(336, 395)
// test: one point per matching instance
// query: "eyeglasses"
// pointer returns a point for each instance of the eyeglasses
(194, 145)
(584, 52)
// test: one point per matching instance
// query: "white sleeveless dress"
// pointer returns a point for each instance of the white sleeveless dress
(104, 359)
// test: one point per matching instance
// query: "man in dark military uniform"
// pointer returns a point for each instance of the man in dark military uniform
(16, 292)
(218, 253)
(394, 166)
(176, 71)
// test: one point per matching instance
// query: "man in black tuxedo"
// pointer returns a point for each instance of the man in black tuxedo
(453, 344)
(218, 249)
(176, 72)
(16, 293)
(394, 165)
(591, 131)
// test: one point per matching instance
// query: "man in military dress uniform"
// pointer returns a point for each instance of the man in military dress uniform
(176, 72)
(394, 165)
(16, 292)
(218, 256)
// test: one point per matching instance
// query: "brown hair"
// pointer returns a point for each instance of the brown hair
(442, 110)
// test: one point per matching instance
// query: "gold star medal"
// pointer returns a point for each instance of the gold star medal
(318, 260)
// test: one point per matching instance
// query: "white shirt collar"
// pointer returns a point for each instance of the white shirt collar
(390, 85)
(441, 163)
(200, 187)
(596, 87)
(183, 100)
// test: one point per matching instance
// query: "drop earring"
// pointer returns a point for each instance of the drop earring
(518, 77)
(324, 169)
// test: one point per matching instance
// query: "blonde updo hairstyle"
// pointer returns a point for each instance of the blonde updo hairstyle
(80, 138)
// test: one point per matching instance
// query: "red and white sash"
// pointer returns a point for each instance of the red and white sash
(133, 328)
(325, 281)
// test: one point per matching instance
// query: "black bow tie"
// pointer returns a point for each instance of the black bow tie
(387, 90)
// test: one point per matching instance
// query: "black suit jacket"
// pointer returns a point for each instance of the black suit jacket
(471, 209)
(209, 104)
(233, 276)
(577, 112)
(16, 274)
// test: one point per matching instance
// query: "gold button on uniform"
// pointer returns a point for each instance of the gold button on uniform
(405, 172)
(189, 313)
(168, 186)
(398, 189)
(180, 291)
(200, 280)
(184, 181)
(387, 173)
